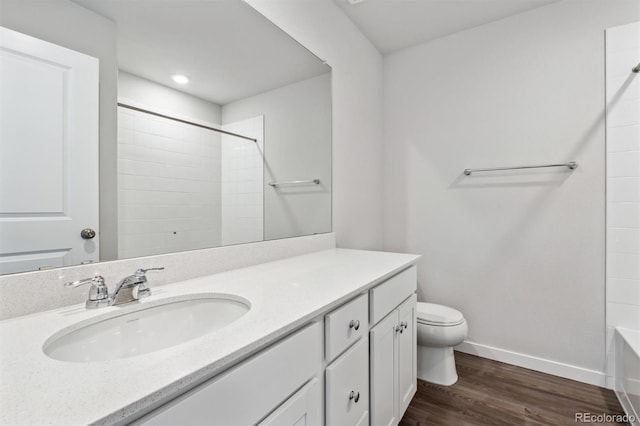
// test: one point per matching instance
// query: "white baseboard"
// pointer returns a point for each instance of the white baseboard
(592, 377)
(610, 383)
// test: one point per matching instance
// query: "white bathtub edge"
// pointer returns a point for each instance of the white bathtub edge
(627, 342)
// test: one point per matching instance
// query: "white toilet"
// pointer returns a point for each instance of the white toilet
(440, 328)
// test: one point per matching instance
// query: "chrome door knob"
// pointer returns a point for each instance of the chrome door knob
(87, 233)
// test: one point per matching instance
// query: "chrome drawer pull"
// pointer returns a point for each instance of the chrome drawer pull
(355, 324)
(355, 396)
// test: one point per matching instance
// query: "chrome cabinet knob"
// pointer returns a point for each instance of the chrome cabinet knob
(401, 327)
(355, 324)
(87, 233)
(354, 396)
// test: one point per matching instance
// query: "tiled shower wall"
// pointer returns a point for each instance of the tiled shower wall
(623, 183)
(168, 186)
(242, 182)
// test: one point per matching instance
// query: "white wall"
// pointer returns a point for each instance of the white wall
(69, 25)
(623, 183)
(356, 66)
(242, 182)
(521, 254)
(297, 124)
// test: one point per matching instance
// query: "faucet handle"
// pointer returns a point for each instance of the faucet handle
(143, 288)
(98, 293)
(141, 271)
(95, 279)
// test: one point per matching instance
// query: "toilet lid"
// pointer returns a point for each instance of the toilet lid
(430, 313)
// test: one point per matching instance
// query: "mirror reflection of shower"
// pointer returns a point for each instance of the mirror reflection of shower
(184, 183)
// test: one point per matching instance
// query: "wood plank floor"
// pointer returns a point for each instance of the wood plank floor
(493, 393)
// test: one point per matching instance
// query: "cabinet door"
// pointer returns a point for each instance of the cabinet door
(347, 387)
(383, 371)
(304, 408)
(407, 346)
(246, 393)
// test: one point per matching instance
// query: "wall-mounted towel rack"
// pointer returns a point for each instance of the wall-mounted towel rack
(295, 182)
(571, 165)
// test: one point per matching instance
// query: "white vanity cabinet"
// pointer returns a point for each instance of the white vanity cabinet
(317, 347)
(354, 366)
(393, 346)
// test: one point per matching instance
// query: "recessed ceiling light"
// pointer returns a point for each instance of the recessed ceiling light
(180, 79)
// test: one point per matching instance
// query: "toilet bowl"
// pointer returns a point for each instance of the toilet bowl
(439, 329)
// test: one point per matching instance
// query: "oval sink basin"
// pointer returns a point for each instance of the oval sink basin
(146, 330)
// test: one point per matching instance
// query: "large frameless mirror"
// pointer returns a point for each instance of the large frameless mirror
(135, 128)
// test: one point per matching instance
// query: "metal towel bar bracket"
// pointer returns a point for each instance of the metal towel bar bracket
(295, 182)
(571, 165)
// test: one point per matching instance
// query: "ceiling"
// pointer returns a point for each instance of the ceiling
(396, 24)
(227, 49)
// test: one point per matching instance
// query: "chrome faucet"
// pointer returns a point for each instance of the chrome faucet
(98, 293)
(128, 289)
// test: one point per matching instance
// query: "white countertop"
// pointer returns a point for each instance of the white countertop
(35, 389)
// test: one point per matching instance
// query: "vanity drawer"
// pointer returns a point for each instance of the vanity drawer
(249, 391)
(388, 295)
(304, 408)
(344, 326)
(347, 387)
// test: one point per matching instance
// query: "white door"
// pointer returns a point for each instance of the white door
(48, 154)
